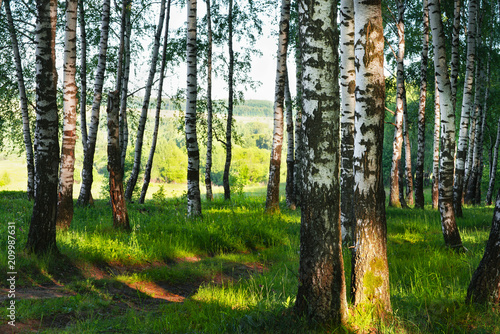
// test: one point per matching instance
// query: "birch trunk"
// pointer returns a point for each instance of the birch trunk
(369, 260)
(483, 130)
(273, 186)
(435, 160)
(455, 52)
(470, 150)
(42, 231)
(88, 161)
(83, 77)
(193, 173)
(66, 178)
(23, 99)
(466, 105)
(397, 146)
(149, 164)
(53, 24)
(322, 292)
(297, 168)
(124, 91)
(348, 86)
(419, 168)
(227, 165)
(493, 171)
(120, 214)
(208, 164)
(132, 181)
(290, 156)
(406, 140)
(448, 223)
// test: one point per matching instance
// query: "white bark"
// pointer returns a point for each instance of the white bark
(435, 159)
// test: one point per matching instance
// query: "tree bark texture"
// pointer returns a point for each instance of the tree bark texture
(66, 178)
(297, 167)
(208, 163)
(448, 223)
(485, 283)
(193, 172)
(322, 292)
(149, 164)
(83, 77)
(491, 184)
(23, 99)
(290, 156)
(370, 274)
(407, 145)
(347, 86)
(466, 106)
(419, 168)
(124, 89)
(42, 232)
(132, 181)
(455, 52)
(88, 160)
(120, 214)
(273, 186)
(435, 156)
(229, 124)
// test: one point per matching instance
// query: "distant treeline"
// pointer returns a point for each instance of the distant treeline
(261, 108)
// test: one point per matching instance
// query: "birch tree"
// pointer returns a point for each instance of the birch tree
(83, 77)
(229, 123)
(455, 52)
(419, 169)
(132, 181)
(273, 186)
(493, 169)
(208, 163)
(23, 99)
(66, 179)
(321, 294)
(42, 231)
(149, 164)
(290, 154)
(435, 150)
(466, 106)
(347, 85)
(88, 160)
(407, 145)
(448, 223)
(193, 175)
(369, 259)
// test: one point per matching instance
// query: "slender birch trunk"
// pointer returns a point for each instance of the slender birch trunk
(397, 146)
(120, 214)
(83, 77)
(435, 159)
(466, 105)
(229, 124)
(149, 164)
(348, 86)
(66, 178)
(273, 186)
(132, 181)
(322, 292)
(419, 168)
(493, 170)
(23, 99)
(297, 167)
(193, 172)
(290, 156)
(483, 129)
(88, 161)
(449, 225)
(42, 231)
(370, 247)
(124, 90)
(208, 164)
(455, 52)
(470, 150)
(407, 145)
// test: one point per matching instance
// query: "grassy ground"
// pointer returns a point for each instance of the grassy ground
(232, 271)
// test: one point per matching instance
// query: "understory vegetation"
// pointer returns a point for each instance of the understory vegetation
(232, 271)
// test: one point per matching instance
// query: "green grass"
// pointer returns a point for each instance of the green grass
(233, 270)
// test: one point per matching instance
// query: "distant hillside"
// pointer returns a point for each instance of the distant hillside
(253, 108)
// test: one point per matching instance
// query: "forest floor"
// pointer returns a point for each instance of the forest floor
(232, 271)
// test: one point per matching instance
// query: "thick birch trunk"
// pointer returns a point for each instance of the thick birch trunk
(273, 186)
(149, 164)
(369, 258)
(290, 156)
(448, 223)
(208, 164)
(88, 161)
(348, 86)
(42, 232)
(193, 172)
(132, 181)
(435, 159)
(120, 214)
(419, 168)
(83, 77)
(229, 124)
(66, 179)
(23, 99)
(322, 292)
(466, 106)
